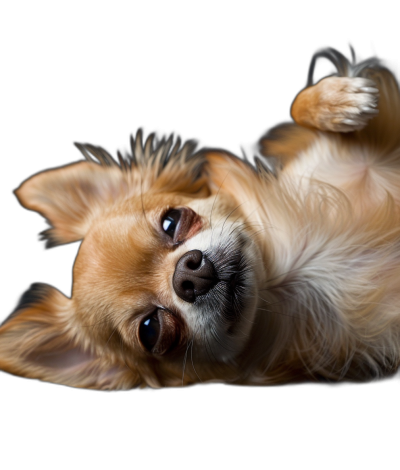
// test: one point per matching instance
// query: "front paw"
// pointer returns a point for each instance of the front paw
(345, 104)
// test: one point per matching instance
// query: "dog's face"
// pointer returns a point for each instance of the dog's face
(165, 273)
(164, 284)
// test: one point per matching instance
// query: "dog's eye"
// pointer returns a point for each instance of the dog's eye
(170, 222)
(149, 331)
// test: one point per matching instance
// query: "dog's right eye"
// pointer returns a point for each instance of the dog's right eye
(170, 222)
(149, 331)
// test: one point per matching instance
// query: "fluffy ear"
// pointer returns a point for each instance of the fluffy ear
(39, 341)
(70, 198)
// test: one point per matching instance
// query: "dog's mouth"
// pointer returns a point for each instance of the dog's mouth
(233, 280)
(228, 297)
(222, 317)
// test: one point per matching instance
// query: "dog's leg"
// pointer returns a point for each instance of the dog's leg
(337, 104)
(362, 105)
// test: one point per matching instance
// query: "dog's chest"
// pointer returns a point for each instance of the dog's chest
(354, 170)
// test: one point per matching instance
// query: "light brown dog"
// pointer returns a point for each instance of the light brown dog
(196, 266)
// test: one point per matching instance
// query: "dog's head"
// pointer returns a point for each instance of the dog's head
(166, 280)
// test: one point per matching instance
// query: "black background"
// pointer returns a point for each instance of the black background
(222, 82)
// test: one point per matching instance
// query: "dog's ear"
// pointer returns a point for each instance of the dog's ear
(71, 197)
(39, 340)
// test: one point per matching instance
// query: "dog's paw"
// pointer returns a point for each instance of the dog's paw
(345, 104)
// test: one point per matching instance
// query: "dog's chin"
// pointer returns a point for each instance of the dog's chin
(225, 315)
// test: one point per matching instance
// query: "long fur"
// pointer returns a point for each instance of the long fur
(316, 246)
(348, 185)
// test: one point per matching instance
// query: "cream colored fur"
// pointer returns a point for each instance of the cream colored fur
(320, 237)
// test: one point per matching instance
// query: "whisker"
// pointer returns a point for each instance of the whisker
(123, 355)
(111, 335)
(191, 357)
(246, 218)
(141, 200)
(218, 339)
(213, 205)
(209, 350)
(227, 217)
(185, 358)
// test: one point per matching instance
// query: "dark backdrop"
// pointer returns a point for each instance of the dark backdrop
(222, 83)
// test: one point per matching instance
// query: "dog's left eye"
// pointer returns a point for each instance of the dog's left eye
(170, 222)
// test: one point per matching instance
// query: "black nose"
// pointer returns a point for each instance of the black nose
(194, 275)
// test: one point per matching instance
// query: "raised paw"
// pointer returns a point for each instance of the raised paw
(338, 104)
(346, 104)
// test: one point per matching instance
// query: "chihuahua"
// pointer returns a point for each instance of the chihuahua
(198, 266)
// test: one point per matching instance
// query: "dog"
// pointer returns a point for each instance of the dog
(198, 266)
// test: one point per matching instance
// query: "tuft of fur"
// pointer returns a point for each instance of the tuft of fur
(91, 188)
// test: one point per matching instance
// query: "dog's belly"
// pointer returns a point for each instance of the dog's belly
(350, 231)
(367, 178)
